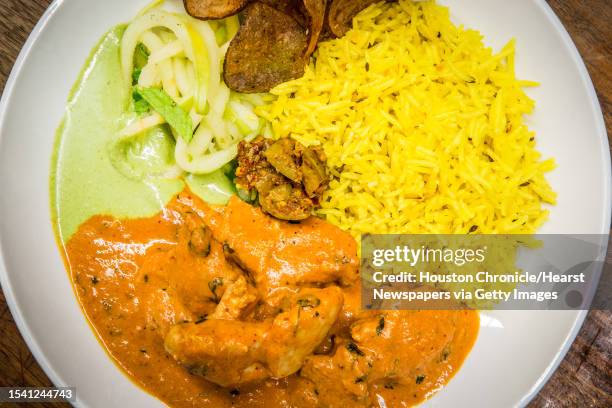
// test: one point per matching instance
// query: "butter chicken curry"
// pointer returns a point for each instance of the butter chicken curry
(220, 306)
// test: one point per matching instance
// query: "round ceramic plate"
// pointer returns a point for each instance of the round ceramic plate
(516, 352)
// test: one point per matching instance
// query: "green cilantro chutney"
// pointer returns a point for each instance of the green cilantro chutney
(96, 171)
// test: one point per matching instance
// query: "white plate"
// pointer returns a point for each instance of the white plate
(516, 351)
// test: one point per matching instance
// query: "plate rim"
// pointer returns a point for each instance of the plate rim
(5, 284)
(570, 46)
(577, 59)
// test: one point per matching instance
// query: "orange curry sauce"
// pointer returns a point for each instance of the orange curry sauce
(136, 279)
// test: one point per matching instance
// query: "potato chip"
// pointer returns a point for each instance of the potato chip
(316, 16)
(293, 8)
(213, 9)
(341, 13)
(268, 50)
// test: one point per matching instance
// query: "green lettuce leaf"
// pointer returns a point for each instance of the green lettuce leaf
(163, 104)
(136, 75)
(140, 105)
(141, 57)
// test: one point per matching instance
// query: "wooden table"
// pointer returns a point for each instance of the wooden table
(583, 378)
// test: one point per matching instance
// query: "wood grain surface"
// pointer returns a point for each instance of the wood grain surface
(582, 379)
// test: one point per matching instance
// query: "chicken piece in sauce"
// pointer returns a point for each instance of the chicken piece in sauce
(276, 347)
(204, 273)
(236, 300)
(279, 254)
(289, 178)
(385, 350)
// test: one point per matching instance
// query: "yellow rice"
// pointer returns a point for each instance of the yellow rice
(422, 125)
